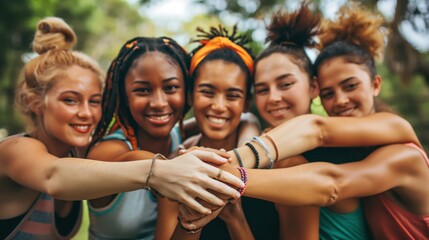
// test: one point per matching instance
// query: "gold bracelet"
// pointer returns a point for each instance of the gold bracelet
(149, 175)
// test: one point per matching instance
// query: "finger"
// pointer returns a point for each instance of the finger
(211, 157)
(207, 204)
(226, 177)
(208, 197)
(220, 187)
(193, 204)
(187, 214)
(199, 223)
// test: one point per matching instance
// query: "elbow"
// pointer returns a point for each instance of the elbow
(52, 185)
(331, 182)
(331, 196)
(318, 125)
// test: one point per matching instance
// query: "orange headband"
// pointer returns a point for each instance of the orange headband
(218, 43)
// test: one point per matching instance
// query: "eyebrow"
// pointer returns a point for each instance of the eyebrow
(278, 78)
(138, 81)
(231, 89)
(78, 93)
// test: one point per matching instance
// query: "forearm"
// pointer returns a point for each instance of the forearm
(76, 179)
(307, 184)
(238, 227)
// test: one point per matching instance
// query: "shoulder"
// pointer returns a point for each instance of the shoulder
(17, 145)
(108, 150)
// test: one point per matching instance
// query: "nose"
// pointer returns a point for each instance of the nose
(84, 110)
(341, 99)
(158, 100)
(274, 96)
(219, 103)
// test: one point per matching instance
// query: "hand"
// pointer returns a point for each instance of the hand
(221, 152)
(186, 178)
(191, 220)
(231, 210)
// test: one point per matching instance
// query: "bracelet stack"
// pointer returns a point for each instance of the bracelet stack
(264, 146)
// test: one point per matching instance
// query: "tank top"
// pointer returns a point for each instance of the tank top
(131, 215)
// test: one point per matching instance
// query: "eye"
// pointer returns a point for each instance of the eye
(70, 101)
(141, 90)
(234, 96)
(326, 95)
(207, 92)
(261, 90)
(171, 88)
(285, 85)
(351, 86)
(95, 102)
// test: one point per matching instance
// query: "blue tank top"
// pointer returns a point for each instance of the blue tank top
(131, 215)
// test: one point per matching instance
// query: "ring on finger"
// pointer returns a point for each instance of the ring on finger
(219, 174)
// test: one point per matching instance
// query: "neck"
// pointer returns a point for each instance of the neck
(228, 143)
(154, 144)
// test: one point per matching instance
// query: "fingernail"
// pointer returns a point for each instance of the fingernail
(237, 195)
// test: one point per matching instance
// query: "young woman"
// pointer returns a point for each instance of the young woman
(392, 175)
(61, 94)
(221, 80)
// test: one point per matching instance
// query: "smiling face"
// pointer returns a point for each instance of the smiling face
(155, 93)
(346, 89)
(219, 98)
(282, 89)
(71, 108)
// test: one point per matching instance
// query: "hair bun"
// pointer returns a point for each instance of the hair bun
(358, 26)
(297, 28)
(53, 33)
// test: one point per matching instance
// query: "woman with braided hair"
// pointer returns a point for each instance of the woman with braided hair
(145, 96)
(390, 177)
(41, 179)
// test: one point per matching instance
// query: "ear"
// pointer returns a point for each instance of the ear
(35, 105)
(376, 84)
(314, 88)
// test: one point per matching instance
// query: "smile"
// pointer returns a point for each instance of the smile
(346, 112)
(217, 120)
(160, 119)
(278, 111)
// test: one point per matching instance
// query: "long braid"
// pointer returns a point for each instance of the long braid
(115, 114)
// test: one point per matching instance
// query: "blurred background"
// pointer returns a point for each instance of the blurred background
(102, 26)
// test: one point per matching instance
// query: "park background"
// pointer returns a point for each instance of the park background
(102, 26)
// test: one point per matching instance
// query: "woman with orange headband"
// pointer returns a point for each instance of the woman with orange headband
(221, 80)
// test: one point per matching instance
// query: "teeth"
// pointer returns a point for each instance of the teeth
(278, 111)
(217, 120)
(160, 117)
(81, 127)
(346, 112)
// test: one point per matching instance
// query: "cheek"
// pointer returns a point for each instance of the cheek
(260, 102)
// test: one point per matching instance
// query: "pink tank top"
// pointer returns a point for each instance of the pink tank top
(387, 220)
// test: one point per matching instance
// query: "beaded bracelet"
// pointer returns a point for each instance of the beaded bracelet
(264, 146)
(274, 145)
(149, 175)
(255, 152)
(243, 175)
(240, 162)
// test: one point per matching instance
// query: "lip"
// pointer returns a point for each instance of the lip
(159, 118)
(81, 128)
(278, 112)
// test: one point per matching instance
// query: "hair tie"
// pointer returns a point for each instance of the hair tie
(218, 43)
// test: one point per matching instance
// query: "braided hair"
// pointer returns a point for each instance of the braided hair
(290, 33)
(224, 53)
(114, 96)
